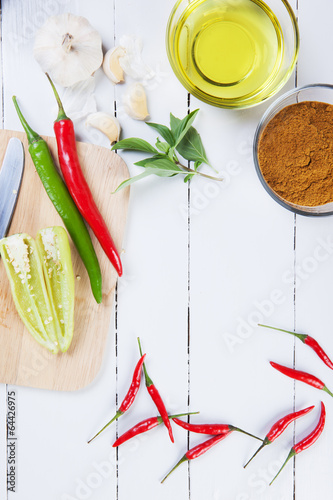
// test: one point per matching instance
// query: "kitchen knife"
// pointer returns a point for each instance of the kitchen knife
(10, 181)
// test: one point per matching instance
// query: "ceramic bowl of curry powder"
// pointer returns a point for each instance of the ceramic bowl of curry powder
(293, 150)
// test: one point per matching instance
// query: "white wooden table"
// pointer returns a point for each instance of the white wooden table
(203, 264)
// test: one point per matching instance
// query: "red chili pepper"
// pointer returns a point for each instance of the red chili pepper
(280, 426)
(308, 440)
(144, 426)
(198, 450)
(77, 185)
(305, 377)
(211, 428)
(155, 396)
(310, 341)
(130, 396)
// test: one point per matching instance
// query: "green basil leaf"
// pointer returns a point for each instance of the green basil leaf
(134, 144)
(188, 177)
(143, 163)
(164, 131)
(164, 167)
(183, 127)
(162, 146)
(191, 147)
(197, 164)
(174, 122)
(129, 181)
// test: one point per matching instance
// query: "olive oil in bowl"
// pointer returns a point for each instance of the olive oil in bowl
(226, 52)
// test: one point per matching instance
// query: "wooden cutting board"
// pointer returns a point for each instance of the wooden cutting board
(22, 360)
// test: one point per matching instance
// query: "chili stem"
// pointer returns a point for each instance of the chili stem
(301, 336)
(61, 114)
(291, 454)
(244, 432)
(117, 415)
(31, 134)
(183, 459)
(327, 390)
(260, 448)
(147, 378)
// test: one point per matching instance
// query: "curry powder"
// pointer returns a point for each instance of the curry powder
(295, 153)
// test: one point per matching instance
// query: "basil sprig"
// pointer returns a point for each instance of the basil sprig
(182, 138)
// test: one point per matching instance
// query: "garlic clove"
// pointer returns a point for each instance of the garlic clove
(135, 102)
(111, 64)
(68, 48)
(106, 123)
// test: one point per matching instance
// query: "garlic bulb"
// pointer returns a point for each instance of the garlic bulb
(68, 48)
(107, 124)
(135, 102)
(111, 64)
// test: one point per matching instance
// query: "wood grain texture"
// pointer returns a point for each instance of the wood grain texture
(22, 360)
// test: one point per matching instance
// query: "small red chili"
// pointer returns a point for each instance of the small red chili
(305, 377)
(307, 441)
(198, 450)
(130, 396)
(310, 341)
(77, 184)
(211, 428)
(280, 426)
(155, 396)
(144, 426)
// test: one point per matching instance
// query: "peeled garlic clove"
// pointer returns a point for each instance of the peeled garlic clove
(111, 64)
(68, 48)
(107, 124)
(135, 102)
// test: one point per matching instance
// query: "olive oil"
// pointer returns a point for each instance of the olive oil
(227, 49)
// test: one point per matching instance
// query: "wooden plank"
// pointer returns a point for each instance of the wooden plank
(314, 266)
(23, 361)
(156, 263)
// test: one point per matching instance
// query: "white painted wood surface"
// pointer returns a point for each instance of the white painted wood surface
(203, 264)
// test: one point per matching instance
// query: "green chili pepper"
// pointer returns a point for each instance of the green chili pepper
(41, 277)
(63, 203)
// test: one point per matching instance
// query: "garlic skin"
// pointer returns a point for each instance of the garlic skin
(132, 62)
(79, 99)
(106, 123)
(68, 48)
(111, 64)
(135, 102)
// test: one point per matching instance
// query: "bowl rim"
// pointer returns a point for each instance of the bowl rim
(260, 127)
(231, 103)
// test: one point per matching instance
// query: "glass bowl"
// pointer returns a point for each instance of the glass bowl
(232, 53)
(316, 92)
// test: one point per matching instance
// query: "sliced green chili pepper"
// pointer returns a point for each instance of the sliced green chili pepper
(63, 203)
(54, 250)
(42, 282)
(24, 270)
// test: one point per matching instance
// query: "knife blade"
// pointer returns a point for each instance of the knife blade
(10, 181)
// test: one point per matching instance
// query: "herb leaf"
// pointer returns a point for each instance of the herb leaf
(143, 163)
(174, 121)
(183, 127)
(135, 144)
(191, 147)
(129, 181)
(181, 137)
(163, 167)
(162, 146)
(164, 131)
